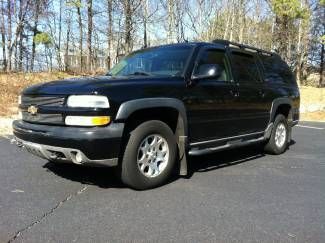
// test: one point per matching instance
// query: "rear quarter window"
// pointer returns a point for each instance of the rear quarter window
(276, 70)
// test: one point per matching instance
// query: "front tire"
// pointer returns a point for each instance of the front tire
(278, 142)
(149, 156)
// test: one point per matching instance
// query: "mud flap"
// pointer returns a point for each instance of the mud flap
(182, 155)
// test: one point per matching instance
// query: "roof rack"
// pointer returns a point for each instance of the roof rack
(242, 46)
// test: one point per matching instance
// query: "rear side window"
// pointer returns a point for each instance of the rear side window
(276, 70)
(245, 68)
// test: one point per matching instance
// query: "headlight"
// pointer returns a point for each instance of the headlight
(19, 99)
(89, 101)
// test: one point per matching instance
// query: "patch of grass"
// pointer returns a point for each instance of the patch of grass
(313, 116)
(311, 95)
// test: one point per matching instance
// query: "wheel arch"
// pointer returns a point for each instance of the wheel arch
(147, 105)
(282, 106)
(279, 106)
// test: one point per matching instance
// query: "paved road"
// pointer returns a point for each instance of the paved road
(234, 196)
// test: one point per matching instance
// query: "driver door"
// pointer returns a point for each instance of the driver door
(210, 101)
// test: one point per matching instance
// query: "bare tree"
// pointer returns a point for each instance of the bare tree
(9, 45)
(89, 34)
(68, 36)
(78, 4)
(113, 28)
(145, 22)
(128, 25)
(35, 31)
(171, 21)
(3, 36)
(109, 32)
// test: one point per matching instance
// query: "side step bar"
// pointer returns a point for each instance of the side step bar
(230, 144)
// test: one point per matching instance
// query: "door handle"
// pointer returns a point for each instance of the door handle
(261, 93)
(234, 93)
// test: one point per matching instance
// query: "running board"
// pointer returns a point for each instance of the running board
(229, 145)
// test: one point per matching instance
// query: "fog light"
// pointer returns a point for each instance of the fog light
(87, 120)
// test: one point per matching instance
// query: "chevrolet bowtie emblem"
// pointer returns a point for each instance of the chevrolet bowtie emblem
(32, 110)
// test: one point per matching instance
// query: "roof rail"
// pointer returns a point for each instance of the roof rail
(241, 46)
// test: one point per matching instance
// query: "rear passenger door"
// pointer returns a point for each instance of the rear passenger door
(252, 107)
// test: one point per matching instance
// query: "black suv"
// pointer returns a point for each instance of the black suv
(160, 105)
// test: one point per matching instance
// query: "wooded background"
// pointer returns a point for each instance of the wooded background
(90, 36)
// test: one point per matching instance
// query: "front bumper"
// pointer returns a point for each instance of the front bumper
(62, 155)
(96, 145)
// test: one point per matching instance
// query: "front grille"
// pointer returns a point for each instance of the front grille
(43, 118)
(41, 102)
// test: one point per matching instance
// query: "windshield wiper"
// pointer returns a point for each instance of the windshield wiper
(140, 73)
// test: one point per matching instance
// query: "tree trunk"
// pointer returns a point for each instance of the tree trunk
(80, 35)
(232, 23)
(242, 21)
(37, 9)
(109, 33)
(21, 52)
(9, 47)
(128, 26)
(145, 20)
(58, 52)
(227, 23)
(89, 34)
(21, 39)
(282, 37)
(321, 70)
(3, 38)
(171, 21)
(66, 54)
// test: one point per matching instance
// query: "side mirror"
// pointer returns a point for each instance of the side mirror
(206, 71)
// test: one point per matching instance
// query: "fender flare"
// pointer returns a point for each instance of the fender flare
(275, 105)
(129, 107)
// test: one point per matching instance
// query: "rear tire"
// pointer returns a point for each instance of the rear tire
(149, 156)
(278, 141)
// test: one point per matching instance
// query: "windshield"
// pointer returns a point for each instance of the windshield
(159, 61)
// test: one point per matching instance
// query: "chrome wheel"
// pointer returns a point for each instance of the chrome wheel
(280, 135)
(153, 155)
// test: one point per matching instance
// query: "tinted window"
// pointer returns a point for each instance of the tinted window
(217, 57)
(276, 70)
(245, 68)
(159, 61)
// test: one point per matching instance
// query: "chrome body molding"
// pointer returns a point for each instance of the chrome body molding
(226, 138)
(231, 142)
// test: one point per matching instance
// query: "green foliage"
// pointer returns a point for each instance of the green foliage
(74, 3)
(43, 38)
(289, 9)
(322, 2)
(322, 39)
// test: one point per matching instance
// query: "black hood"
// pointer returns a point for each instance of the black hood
(87, 85)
